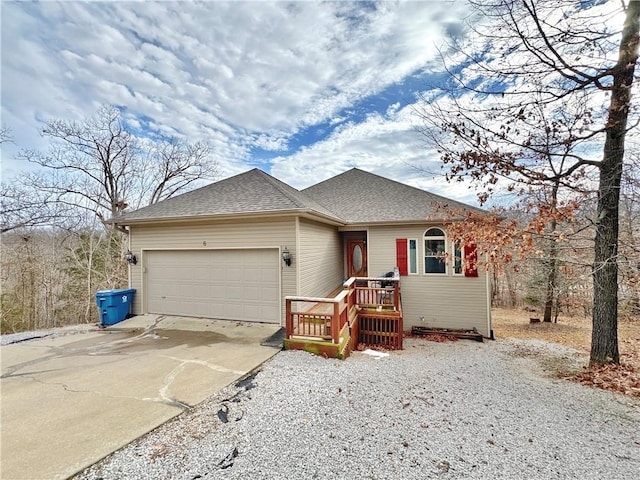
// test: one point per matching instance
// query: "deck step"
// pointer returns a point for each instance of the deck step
(321, 347)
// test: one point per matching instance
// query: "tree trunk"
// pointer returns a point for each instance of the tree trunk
(549, 300)
(552, 271)
(511, 287)
(604, 340)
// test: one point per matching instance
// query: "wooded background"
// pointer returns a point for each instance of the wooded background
(538, 110)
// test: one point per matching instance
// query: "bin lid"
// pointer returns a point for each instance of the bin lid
(115, 291)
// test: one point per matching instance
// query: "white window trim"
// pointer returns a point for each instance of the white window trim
(409, 272)
(445, 261)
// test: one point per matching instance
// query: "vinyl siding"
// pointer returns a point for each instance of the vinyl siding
(445, 301)
(320, 259)
(276, 233)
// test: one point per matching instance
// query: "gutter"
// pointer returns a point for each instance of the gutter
(231, 216)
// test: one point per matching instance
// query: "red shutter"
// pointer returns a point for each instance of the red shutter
(401, 255)
(470, 260)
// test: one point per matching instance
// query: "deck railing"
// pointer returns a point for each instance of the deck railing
(377, 293)
(376, 300)
(318, 317)
(379, 316)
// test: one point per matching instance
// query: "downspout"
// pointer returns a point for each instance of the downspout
(298, 255)
(366, 244)
(128, 228)
(488, 291)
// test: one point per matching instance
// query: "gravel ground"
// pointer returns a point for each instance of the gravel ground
(434, 410)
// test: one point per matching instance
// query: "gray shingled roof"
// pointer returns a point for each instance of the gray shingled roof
(353, 197)
(252, 192)
(361, 197)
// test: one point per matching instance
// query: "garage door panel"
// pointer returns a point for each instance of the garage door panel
(198, 308)
(233, 284)
(216, 311)
(252, 257)
(253, 310)
(250, 274)
(231, 275)
(268, 276)
(218, 294)
(252, 291)
(235, 311)
(196, 291)
(239, 293)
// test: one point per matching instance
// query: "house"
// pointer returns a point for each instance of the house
(238, 248)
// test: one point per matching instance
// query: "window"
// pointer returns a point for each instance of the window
(413, 257)
(465, 259)
(458, 258)
(434, 251)
(407, 256)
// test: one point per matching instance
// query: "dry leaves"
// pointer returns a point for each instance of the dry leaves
(621, 378)
(432, 337)
(575, 332)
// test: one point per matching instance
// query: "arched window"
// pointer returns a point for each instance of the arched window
(435, 251)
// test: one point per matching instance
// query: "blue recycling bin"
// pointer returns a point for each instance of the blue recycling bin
(114, 304)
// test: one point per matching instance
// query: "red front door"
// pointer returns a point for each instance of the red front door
(356, 258)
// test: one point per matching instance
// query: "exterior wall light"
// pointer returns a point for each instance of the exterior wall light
(130, 257)
(286, 256)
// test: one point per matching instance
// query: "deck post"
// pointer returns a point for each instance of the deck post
(396, 295)
(335, 322)
(288, 320)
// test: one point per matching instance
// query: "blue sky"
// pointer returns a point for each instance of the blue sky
(303, 90)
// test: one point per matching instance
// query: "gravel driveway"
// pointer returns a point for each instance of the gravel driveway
(434, 410)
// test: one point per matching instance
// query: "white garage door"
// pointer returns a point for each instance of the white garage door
(226, 284)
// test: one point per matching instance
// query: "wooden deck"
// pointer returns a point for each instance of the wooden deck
(361, 311)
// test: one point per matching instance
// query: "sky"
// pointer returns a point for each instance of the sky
(303, 90)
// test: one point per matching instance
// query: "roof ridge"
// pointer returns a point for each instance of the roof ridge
(435, 196)
(282, 188)
(299, 198)
(360, 196)
(366, 172)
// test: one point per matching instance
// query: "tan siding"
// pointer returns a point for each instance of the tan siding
(445, 301)
(320, 258)
(214, 235)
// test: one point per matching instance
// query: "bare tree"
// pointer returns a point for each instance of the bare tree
(171, 167)
(50, 275)
(90, 162)
(56, 251)
(98, 165)
(533, 58)
(23, 204)
(5, 135)
(33, 280)
(604, 342)
(629, 255)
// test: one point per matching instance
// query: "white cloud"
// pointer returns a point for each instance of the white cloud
(235, 74)
(389, 145)
(238, 75)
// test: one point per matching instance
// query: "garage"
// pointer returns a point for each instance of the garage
(233, 284)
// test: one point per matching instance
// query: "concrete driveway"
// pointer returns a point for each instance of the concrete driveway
(67, 401)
